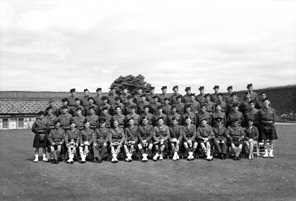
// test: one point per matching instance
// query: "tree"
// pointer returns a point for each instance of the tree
(131, 82)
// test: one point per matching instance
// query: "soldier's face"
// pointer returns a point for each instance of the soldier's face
(216, 90)
(252, 105)
(229, 91)
(152, 91)
(155, 99)
(187, 109)
(65, 103)
(77, 102)
(102, 124)
(188, 121)
(65, 110)
(202, 91)
(179, 100)
(140, 91)
(203, 109)
(105, 100)
(219, 98)
(105, 112)
(118, 110)
(248, 96)
(57, 125)
(115, 124)
(143, 98)
(235, 108)
(203, 122)
(145, 121)
(92, 111)
(99, 92)
(235, 123)
(174, 109)
(164, 91)
(146, 109)
(263, 96)
(175, 122)
(208, 98)
(176, 90)
(86, 93)
(72, 125)
(192, 98)
(78, 112)
(266, 103)
(218, 107)
(125, 91)
(131, 122)
(160, 110)
(250, 123)
(73, 94)
(188, 91)
(41, 116)
(51, 103)
(160, 122)
(86, 125)
(113, 91)
(91, 101)
(234, 98)
(49, 111)
(250, 88)
(166, 101)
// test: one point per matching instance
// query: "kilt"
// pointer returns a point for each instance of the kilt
(165, 144)
(268, 132)
(145, 145)
(220, 138)
(40, 140)
(236, 142)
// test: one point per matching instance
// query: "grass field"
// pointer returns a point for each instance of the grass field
(258, 179)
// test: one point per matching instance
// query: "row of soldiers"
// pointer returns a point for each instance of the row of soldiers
(165, 117)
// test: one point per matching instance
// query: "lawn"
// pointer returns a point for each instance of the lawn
(258, 179)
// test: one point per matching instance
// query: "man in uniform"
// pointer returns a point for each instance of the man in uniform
(244, 106)
(260, 103)
(186, 97)
(195, 105)
(131, 139)
(55, 110)
(154, 104)
(147, 114)
(79, 119)
(253, 94)
(132, 113)
(119, 117)
(214, 97)
(220, 140)
(221, 102)
(176, 135)
(71, 99)
(92, 118)
(189, 138)
(116, 103)
(151, 95)
(76, 106)
(86, 139)
(56, 138)
(91, 104)
(98, 97)
(129, 104)
(85, 98)
(159, 114)
(179, 105)
(112, 95)
(209, 104)
(235, 114)
(230, 103)
(218, 113)
(203, 115)
(105, 115)
(164, 95)
(143, 103)
(160, 137)
(235, 135)
(205, 134)
(138, 95)
(253, 113)
(146, 132)
(166, 107)
(188, 113)
(72, 138)
(228, 96)
(64, 103)
(101, 138)
(201, 96)
(105, 104)
(175, 95)
(65, 118)
(174, 114)
(124, 95)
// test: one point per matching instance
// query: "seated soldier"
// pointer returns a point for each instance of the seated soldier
(56, 138)
(86, 139)
(101, 138)
(116, 139)
(146, 132)
(251, 135)
(131, 139)
(176, 134)
(72, 138)
(220, 140)
(189, 138)
(204, 136)
(235, 135)
(160, 137)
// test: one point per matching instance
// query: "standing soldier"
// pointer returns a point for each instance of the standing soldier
(55, 110)
(134, 115)
(203, 115)
(85, 98)
(164, 95)
(175, 95)
(179, 105)
(214, 97)
(119, 117)
(159, 114)
(146, 132)
(151, 95)
(56, 138)
(112, 95)
(79, 119)
(235, 135)
(64, 103)
(98, 97)
(40, 128)
(174, 114)
(161, 136)
(254, 113)
(220, 140)
(50, 118)
(124, 95)
(176, 134)
(268, 132)
(205, 134)
(228, 96)
(222, 103)
(195, 105)
(209, 104)
(189, 138)
(143, 103)
(166, 106)
(92, 118)
(131, 139)
(218, 113)
(105, 115)
(86, 139)
(138, 95)
(186, 97)
(116, 103)
(230, 103)
(91, 104)
(235, 115)
(201, 96)
(71, 99)
(77, 105)
(101, 138)
(245, 106)
(105, 104)
(154, 104)
(260, 103)
(65, 118)
(147, 114)
(116, 139)
(253, 94)
(129, 104)
(188, 113)
(72, 138)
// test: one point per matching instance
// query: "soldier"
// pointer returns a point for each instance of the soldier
(85, 98)
(92, 118)
(105, 115)
(138, 95)
(195, 105)
(235, 136)
(79, 119)
(188, 113)
(143, 103)
(91, 104)
(134, 115)
(220, 139)
(189, 138)
(50, 118)
(245, 106)
(230, 103)
(166, 106)
(160, 137)
(146, 132)
(131, 139)
(154, 104)
(129, 104)
(72, 138)
(214, 97)
(201, 96)
(77, 105)
(124, 95)
(228, 96)
(112, 95)
(174, 114)
(235, 115)
(268, 132)
(251, 135)
(147, 114)
(65, 118)
(260, 103)
(179, 105)
(203, 114)
(218, 113)
(71, 99)
(151, 95)
(254, 113)
(117, 102)
(56, 138)
(176, 134)
(209, 104)
(40, 128)
(64, 103)
(55, 110)
(86, 139)
(253, 94)
(164, 95)
(105, 104)
(116, 139)
(159, 114)
(101, 138)
(205, 134)
(175, 95)
(186, 97)
(222, 103)
(98, 97)
(119, 117)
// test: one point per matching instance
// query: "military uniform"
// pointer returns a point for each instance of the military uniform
(136, 118)
(120, 118)
(101, 138)
(79, 122)
(161, 133)
(235, 115)
(166, 109)
(204, 115)
(192, 117)
(84, 101)
(221, 115)
(149, 116)
(111, 98)
(174, 115)
(40, 128)
(93, 120)
(158, 115)
(108, 118)
(220, 138)
(65, 120)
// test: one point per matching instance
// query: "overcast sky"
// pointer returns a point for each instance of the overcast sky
(55, 45)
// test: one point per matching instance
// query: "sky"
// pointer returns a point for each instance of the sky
(55, 45)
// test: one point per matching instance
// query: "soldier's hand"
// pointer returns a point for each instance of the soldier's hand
(95, 144)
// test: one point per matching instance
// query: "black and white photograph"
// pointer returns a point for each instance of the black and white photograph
(135, 100)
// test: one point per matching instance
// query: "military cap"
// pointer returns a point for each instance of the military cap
(218, 104)
(233, 94)
(249, 85)
(128, 119)
(207, 95)
(235, 105)
(203, 105)
(85, 121)
(173, 106)
(77, 99)
(166, 98)
(175, 87)
(132, 107)
(112, 87)
(265, 99)
(174, 118)
(216, 87)
(146, 106)
(64, 107)
(187, 106)
(98, 89)
(117, 98)
(235, 120)
(201, 88)
(65, 100)
(219, 94)
(218, 119)
(187, 88)
(56, 121)
(246, 93)
(252, 101)
(49, 108)
(179, 96)
(187, 117)
(229, 87)
(263, 92)
(91, 107)
(164, 87)
(159, 118)
(85, 90)
(104, 98)
(144, 117)
(129, 96)
(143, 95)
(192, 94)
(91, 98)
(102, 120)
(117, 106)
(155, 96)
(104, 108)
(79, 108)
(159, 107)
(250, 118)
(72, 90)
(203, 118)
(41, 113)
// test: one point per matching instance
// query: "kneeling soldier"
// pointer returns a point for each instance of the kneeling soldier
(146, 132)
(176, 134)
(56, 138)
(86, 138)
(116, 139)
(131, 139)
(235, 135)
(72, 138)
(161, 136)
(204, 135)
(189, 138)
(101, 138)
